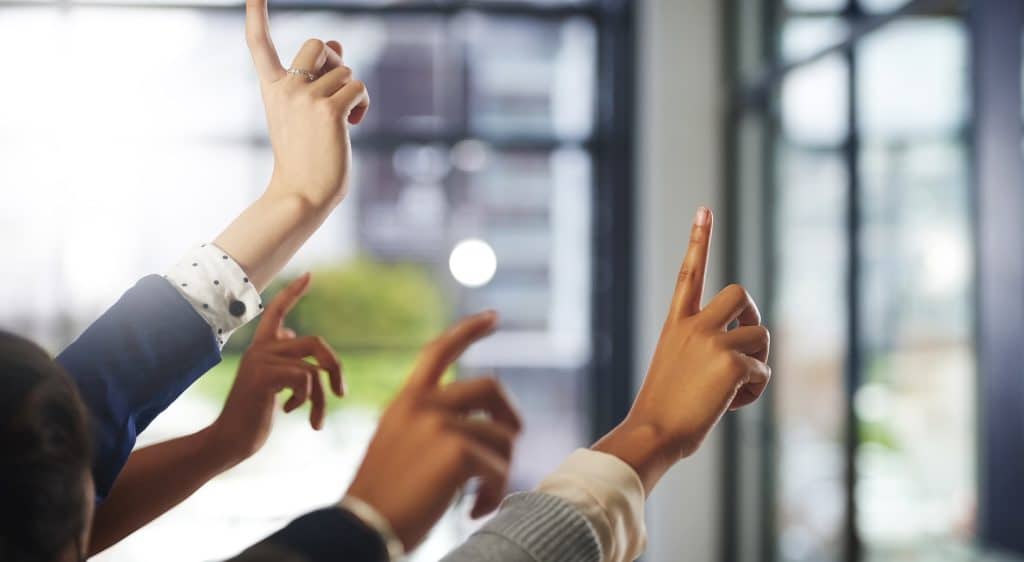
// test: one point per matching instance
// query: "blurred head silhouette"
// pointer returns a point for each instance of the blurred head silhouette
(46, 492)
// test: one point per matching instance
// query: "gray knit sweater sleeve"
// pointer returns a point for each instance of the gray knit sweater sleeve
(532, 527)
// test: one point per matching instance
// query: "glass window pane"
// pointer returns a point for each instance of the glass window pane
(815, 5)
(809, 345)
(530, 78)
(160, 91)
(815, 102)
(802, 37)
(916, 405)
(530, 207)
(913, 79)
(881, 6)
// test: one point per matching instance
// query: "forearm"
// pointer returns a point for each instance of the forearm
(155, 479)
(639, 446)
(268, 233)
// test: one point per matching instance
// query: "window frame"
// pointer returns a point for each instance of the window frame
(994, 39)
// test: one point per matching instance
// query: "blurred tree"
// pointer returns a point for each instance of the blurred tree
(375, 315)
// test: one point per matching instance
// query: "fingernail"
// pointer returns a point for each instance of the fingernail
(703, 216)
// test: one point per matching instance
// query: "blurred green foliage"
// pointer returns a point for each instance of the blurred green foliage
(879, 434)
(375, 315)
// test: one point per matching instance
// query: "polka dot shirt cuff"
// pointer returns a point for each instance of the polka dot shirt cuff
(217, 288)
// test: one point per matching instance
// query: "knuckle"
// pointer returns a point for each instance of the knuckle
(729, 362)
(504, 445)
(435, 422)
(508, 442)
(359, 86)
(491, 385)
(735, 290)
(313, 43)
(432, 350)
(686, 273)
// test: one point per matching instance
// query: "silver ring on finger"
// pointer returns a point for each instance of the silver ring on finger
(309, 76)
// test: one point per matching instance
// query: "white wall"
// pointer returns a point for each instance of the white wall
(680, 103)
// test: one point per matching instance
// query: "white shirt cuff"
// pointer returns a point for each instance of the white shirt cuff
(608, 492)
(217, 288)
(374, 520)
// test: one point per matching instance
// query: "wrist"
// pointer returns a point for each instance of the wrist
(643, 446)
(373, 519)
(391, 509)
(296, 199)
(312, 199)
(220, 449)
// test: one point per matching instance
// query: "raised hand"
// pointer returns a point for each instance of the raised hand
(700, 369)
(308, 111)
(431, 440)
(274, 362)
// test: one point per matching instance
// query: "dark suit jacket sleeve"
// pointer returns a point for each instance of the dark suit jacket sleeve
(132, 363)
(326, 535)
(530, 527)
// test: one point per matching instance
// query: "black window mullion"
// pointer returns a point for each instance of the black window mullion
(731, 484)
(999, 213)
(611, 393)
(772, 133)
(854, 359)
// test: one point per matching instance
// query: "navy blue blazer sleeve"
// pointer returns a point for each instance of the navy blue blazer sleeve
(325, 535)
(132, 363)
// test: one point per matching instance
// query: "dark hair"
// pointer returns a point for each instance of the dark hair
(44, 455)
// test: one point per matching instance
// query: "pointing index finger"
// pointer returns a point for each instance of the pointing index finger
(690, 285)
(273, 317)
(257, 35)
(442, 352)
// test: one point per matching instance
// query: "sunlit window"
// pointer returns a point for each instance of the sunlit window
(869, 270)
(143, 134)
(916, 477)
